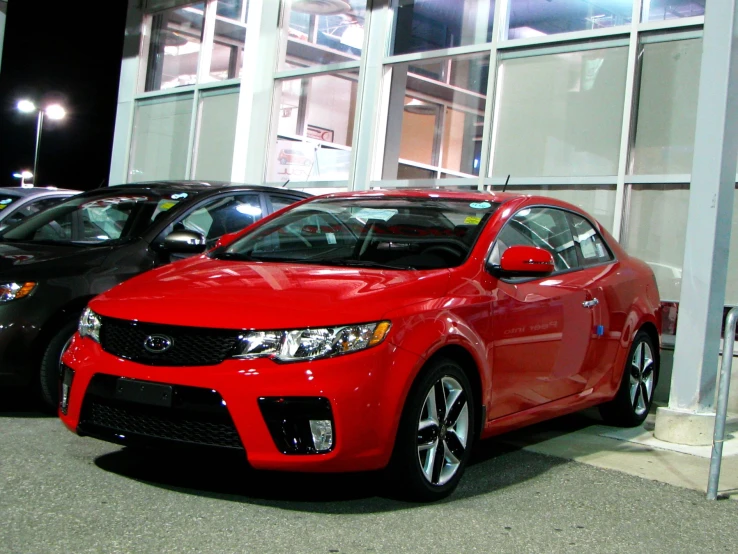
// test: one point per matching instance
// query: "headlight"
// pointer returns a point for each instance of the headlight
(309, 344)
(14, 291)
(89, 325)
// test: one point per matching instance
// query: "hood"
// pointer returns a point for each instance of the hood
(248, 295)
(60, 258)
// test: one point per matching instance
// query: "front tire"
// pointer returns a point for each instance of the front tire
(50, 370)
(436, 433)
(633, 401)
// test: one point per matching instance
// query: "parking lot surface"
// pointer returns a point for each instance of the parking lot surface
(59, 492)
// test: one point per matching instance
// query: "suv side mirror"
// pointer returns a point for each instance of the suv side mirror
(526, 261)
(184, 242)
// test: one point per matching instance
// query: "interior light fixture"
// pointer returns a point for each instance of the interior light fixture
(321, 7)
(419, 107)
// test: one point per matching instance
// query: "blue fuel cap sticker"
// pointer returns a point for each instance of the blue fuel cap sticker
(480, 205)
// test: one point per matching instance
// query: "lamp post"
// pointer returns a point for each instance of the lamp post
(53, 111)
(23, 175)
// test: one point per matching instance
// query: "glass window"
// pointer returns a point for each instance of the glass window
(590, 245)
(664, 134)
(321, 32)
(531, 19)
(29, 209)
(597, 201)
(423, 25)
(219, 216)
(174, 50)
(658, 10)
(7, 198)
(391, 233)
(216, 135)
(228, 43)
(560, 114)
(315, 125)
(436, 117)
(546, 228)
(161, 131)
(656, 232)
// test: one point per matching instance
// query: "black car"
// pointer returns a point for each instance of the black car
(54, 262)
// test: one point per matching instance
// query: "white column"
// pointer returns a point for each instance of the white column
(257, 92)
(690, 415)
(127, 87)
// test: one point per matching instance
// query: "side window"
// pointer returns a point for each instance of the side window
(221, 215)
(546, 228)
(31, 209)
(589, 242)
(279, 201)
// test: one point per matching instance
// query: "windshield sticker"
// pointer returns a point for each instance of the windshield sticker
(480, 205)
(179, 196)
(166, 205)
(3, 206)
(6, 201)
(471, 220)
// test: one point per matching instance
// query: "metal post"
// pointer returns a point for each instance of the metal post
(39, 125)
(722, 404)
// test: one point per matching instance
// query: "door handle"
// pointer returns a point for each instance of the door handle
(590, 303)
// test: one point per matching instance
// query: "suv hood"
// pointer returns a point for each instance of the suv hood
(259, 295)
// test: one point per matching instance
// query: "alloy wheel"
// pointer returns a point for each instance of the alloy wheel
(443, 430)
(641, 378)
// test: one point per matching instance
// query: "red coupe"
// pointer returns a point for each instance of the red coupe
(371, 330)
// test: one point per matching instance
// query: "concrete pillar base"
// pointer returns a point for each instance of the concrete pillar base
(684, 427)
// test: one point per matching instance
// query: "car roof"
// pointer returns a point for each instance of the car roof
(36, 191)
(479, 196)
(189, 186)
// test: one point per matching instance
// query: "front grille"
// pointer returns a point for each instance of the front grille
(189, 345)
(197, 417)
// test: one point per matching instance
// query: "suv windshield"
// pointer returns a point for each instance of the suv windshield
(96, 219)
(395, 233)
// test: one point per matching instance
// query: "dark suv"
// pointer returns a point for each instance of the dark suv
(54, 262)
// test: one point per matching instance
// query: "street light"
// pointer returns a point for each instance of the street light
(53, 111)
(23, 175)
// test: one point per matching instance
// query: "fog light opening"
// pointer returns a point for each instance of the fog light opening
(67, 376)
(322, 431)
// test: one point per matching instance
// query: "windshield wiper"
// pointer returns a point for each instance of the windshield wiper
(366, 263)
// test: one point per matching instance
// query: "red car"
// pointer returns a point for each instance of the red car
(372, 330)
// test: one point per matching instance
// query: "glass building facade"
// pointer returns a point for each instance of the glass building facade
(590, 102)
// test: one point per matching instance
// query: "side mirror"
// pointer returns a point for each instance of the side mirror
(526, 261)
(226, 239)
(184, 242)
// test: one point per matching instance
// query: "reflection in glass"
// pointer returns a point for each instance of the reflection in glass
(229, 39)
(216, 135)
(161, 130)
(423, 25)
(176, 39)
(436, 117)
(667, 106)
(531, 19)
(322, 32)
(657, 10)
(315, 124)
(560, 114)
(598, 201)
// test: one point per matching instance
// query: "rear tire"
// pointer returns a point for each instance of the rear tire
(435, 435)
(633, 401)
(50, 370)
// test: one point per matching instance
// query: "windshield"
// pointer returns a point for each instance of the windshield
(6, 199)
(96, 219)
(395, 233)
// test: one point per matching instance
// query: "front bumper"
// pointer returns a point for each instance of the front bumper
(365, 391)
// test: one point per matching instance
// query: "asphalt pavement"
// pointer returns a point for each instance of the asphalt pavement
(63, 493)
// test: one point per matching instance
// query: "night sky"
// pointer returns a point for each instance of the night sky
(66, 52)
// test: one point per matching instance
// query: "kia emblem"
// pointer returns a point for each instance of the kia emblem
(158, 344)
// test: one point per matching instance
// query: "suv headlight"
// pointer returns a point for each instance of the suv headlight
(14, 291)
(89, 325)
(309, 344)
